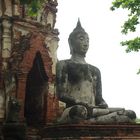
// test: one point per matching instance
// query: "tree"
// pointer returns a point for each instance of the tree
(133, 6)
(34, 6)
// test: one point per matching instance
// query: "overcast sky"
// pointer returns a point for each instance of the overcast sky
(120, 83)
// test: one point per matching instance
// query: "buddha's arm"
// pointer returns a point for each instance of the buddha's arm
(62, 83)
(99, 99)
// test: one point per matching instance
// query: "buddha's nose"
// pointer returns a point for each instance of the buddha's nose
(85, 46)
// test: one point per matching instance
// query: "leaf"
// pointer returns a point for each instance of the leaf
(33, 6)
(132, 45)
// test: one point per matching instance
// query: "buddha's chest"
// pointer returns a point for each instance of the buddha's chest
(81, 83)
(79, 72)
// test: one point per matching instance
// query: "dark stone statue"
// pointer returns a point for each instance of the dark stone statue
(79, 86)
(13, 129)
(13, 111)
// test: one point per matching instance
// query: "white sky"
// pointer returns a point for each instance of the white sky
(120, 83)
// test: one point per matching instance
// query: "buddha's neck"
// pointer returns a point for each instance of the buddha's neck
(78, 58)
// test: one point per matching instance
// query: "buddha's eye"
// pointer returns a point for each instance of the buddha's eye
(81, 38)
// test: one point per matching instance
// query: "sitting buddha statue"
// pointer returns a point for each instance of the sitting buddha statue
(78, 85)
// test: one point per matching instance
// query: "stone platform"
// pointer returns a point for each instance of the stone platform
(91, 132)
(14, 131)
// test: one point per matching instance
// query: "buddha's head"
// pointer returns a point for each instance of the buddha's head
(78, 41)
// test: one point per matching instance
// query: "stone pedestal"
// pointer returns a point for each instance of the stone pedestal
(92, 132)
(14, 131)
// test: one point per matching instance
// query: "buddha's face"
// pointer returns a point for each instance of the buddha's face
(80, 44)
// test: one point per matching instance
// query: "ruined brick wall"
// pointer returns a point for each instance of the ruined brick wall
(22, 37)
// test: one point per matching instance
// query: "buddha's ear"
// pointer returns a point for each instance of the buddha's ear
(70, 45)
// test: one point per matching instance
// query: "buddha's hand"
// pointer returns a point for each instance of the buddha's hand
(103, 105)
(78, 102)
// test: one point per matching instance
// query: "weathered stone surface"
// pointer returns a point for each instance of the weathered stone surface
(0, 53)
(52, 45)
(8, 8)
(6, 42)
(83, 132)
(0, 8)
(2, 106)
(91, 132)
(16, 9)
(12, 115)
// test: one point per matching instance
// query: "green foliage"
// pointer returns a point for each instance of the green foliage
(133, 6)
(33, 6)
(133, 45)
(130, 24)
(138, 120)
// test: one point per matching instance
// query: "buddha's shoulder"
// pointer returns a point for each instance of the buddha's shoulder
(62, 63)
(94, 68)
(65, 63)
